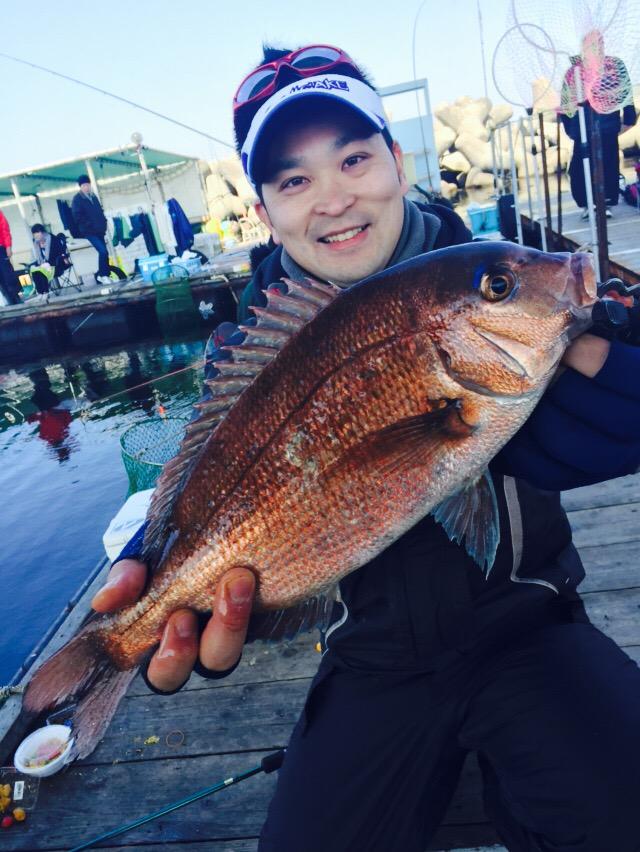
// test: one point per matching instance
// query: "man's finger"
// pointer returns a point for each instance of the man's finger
(223, 637)
(123, 587)
(173, 662)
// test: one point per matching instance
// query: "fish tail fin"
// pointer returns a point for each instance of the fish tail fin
(80, 670)
(65, 675)
(94, 713)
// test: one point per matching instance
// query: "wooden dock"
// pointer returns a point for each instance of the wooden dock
(87, 318)
(213, 729)
(623, 234)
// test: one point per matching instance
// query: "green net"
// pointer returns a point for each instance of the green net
(175, 309)
(147, 446)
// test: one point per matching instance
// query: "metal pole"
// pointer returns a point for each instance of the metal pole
(545, 177)
(536, 176)
(600, 197)
(559, 178)
(526, 170)
(494, 161)
(584, 148)
(23, 215)
(514, 186)
(145, 175)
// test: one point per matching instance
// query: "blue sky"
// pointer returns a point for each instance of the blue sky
(186, 59)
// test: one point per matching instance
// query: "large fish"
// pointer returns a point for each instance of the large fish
(340, 421)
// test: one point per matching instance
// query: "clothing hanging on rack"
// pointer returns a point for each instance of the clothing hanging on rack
(181, 226)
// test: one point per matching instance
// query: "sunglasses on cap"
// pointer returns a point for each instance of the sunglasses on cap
(306, 61)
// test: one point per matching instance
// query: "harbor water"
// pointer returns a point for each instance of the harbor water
(61, 474)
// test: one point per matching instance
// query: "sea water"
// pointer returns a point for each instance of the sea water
(61, 474)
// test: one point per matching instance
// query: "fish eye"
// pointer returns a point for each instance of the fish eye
(498, 284)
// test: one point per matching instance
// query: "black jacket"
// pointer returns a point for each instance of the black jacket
(88, 215)
(423, 600)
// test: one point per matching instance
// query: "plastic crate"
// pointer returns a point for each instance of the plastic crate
(192, 265)
(148, 265)
(483, 219)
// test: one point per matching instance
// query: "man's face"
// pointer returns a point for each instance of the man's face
(334, 201)
(86, 188)
(39, 236)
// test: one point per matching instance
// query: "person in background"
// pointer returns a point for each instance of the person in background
(50, 253)
(8, 281)
(608, 102)
(92, 224)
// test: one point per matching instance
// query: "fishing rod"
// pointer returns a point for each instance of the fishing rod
(267, 765)
(116, 97)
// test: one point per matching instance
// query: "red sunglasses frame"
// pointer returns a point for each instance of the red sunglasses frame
(287, 61)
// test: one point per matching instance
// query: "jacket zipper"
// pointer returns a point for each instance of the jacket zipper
(515, 524)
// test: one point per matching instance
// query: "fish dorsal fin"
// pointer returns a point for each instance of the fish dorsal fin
(290, 306)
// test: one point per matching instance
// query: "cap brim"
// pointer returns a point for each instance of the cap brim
(261, 141)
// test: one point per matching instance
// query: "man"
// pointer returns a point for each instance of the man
(8, 282)
(92, 224)
(51, 257)
(426, 659)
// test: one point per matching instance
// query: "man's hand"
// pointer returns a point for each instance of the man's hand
(587, 354)
(221, 641)
(8, 251)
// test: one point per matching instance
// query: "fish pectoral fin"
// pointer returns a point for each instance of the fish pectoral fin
(279, 624)
(413, 441)
(471, 517)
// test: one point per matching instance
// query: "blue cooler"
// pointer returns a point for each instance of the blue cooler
(148, 265)
(482, 219)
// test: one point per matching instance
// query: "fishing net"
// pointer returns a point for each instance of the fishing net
(597, 39)
(175, 308)
(147, 446)
(525, 67)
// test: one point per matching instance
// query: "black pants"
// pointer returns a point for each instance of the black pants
(375, 758)
(8, 279)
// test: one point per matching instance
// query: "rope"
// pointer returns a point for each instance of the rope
(6, 691)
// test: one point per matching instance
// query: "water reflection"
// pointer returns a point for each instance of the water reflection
(62, 473)
(52, 416)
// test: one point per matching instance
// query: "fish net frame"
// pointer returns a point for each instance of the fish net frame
(147, 446)
(583, 33)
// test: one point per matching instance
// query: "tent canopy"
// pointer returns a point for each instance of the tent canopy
(106, 165)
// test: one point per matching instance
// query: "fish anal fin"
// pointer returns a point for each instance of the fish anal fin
(276, 625)
(470, 517)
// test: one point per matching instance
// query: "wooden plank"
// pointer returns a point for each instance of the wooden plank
(617, 614)
(624, 489)
(612, 566)
(247, 717)
(608, 525)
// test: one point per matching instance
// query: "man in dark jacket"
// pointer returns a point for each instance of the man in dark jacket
(426, 658)
(92, 224)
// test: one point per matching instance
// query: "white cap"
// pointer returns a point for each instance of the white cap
(336, 87)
